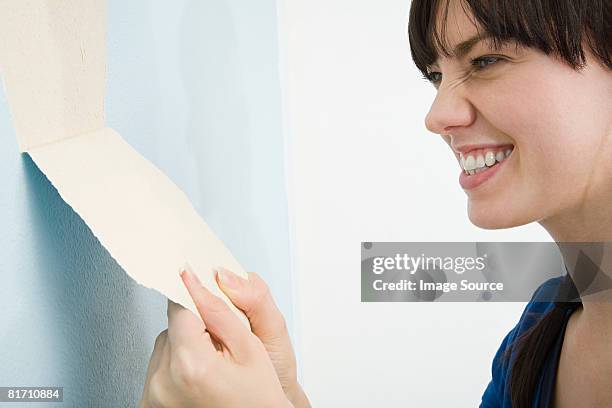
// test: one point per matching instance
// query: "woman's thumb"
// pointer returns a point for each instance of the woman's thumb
(253, 297)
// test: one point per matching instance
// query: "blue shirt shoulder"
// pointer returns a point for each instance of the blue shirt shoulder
(496, 395)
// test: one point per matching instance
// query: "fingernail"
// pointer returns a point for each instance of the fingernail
(187, 273)
(228, 278)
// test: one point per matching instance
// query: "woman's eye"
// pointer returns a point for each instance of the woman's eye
(434, 77)
(480, 63)
(484, 62)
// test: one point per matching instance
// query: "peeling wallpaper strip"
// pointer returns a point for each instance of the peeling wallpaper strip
(52, 60)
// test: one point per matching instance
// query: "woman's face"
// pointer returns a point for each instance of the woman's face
(558, 120)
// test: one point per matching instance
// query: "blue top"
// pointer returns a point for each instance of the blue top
(497, 394)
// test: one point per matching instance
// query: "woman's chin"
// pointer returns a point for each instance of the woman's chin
(487, 217)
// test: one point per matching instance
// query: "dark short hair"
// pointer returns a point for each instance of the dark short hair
(556, 27)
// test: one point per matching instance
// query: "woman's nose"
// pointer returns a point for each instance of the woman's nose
(450, 109)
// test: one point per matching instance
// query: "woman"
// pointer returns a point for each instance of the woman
(524, 100)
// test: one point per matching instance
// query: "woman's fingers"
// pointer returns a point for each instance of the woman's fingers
(187, 371)
(219, 319)
(185, 330)
(253, 297)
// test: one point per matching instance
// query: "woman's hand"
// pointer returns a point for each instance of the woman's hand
(214, 363)
(253, 297)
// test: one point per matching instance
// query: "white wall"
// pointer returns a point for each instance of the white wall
(364, 168)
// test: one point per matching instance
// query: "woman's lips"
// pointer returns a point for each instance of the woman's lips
(469, 182)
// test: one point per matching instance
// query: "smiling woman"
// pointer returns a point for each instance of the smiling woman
(532, 79)
(498, 70)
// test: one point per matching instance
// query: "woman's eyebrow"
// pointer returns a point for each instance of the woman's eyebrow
(460, 50)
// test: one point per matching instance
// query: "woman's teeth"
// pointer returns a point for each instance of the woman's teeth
(473, 162)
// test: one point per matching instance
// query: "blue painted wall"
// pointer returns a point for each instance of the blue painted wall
(193, 85)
